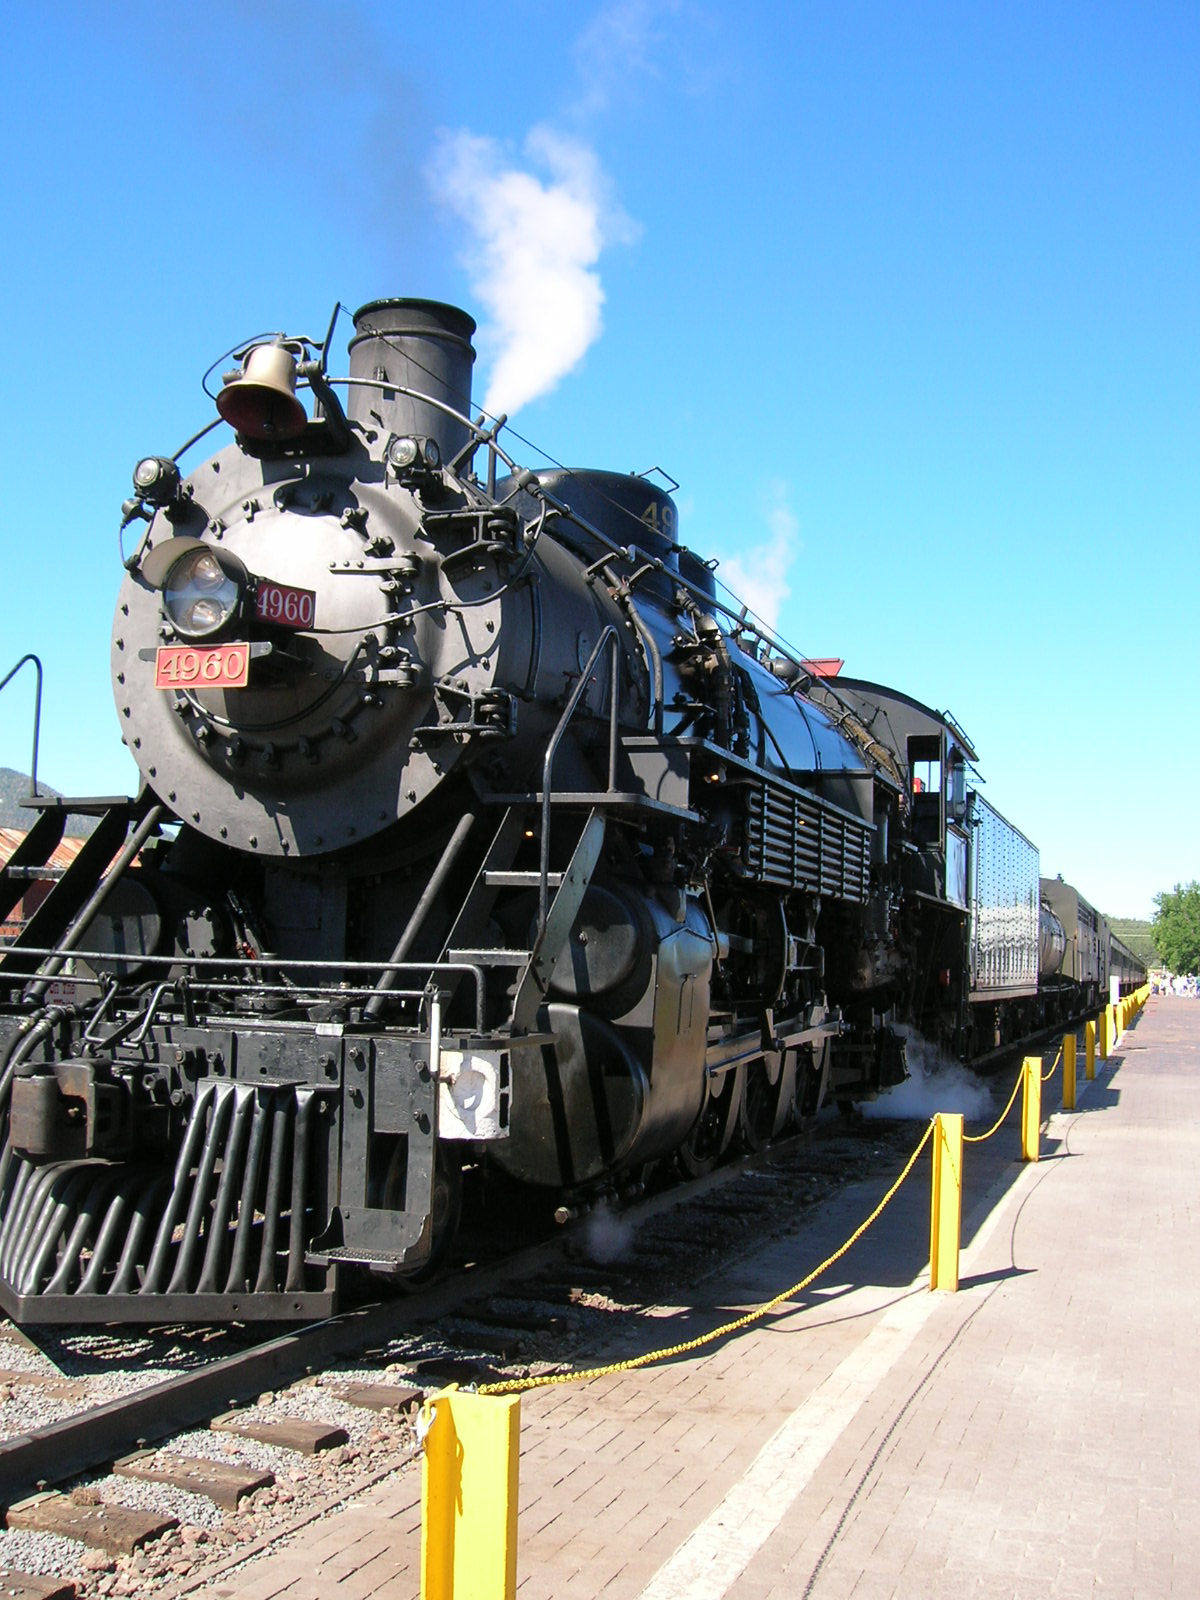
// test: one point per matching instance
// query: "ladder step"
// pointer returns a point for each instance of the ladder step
(34, 850)
(70, 892)
(87, 805)
(490, 958)
(520, 880)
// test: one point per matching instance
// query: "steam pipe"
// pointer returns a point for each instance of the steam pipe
(431, 891)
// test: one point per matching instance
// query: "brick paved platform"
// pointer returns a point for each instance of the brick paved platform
(1036, 1434)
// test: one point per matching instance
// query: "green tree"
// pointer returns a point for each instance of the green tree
(1177, 926)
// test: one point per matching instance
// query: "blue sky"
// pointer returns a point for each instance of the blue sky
(905, 297)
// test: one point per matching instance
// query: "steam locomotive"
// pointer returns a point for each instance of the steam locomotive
(475, 831)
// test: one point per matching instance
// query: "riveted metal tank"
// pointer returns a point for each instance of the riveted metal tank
(1052, 942)
(628, 510)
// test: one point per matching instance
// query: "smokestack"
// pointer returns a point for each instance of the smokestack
(420, 345)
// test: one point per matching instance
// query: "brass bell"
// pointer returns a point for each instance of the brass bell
(261, 403)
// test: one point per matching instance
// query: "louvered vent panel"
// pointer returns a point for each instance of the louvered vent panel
(797, 841)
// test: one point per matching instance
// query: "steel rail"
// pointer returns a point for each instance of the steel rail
(1050, 1030)
(73, 1446)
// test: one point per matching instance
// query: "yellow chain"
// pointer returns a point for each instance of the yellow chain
(978, 1138)
(1046, 1076)
(512, 1385)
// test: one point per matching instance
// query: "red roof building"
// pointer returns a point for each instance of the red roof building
(38, 888)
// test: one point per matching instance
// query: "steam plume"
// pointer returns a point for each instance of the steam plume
(758, 574)
(536, 245)
(619, 49)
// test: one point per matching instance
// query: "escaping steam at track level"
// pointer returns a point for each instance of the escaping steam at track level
(934, 1083)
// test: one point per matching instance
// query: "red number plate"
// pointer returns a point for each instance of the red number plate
(218, 666)
(278, 602)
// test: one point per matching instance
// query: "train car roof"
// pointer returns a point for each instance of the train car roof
(881, 692)
(1059, 883)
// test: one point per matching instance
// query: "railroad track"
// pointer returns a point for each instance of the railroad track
(157, 1487)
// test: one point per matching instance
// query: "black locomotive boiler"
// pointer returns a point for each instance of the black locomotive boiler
(474, 832)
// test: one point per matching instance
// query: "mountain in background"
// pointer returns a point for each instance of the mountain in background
(14, 786)
(1139, 936)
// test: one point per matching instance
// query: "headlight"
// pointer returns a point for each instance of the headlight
(199, 595)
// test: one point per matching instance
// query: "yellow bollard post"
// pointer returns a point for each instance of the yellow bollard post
(945, 1202)
(1104, 1034)
(1031, 1108)
(1089, 1046)
(1068, 1072)
(469, 1496)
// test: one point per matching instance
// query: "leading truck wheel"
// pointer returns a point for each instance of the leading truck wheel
(713, 1129)
(447, 1203)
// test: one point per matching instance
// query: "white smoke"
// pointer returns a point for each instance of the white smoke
(935, 1083)
(618, 49)
(536, 244)
(758, 574)
(607, 1235)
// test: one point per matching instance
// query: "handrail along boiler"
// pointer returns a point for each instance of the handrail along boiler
(474, 830)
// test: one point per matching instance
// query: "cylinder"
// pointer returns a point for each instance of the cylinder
(420, 345)
(1052, 943)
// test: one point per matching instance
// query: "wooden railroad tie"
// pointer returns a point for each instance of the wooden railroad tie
(381, 1396)
(34, 1586)
(224, 1483)
(294, 1433)
(117, 1530)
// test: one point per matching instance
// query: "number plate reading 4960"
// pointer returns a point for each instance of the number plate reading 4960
(279, 602)
(218, 666)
